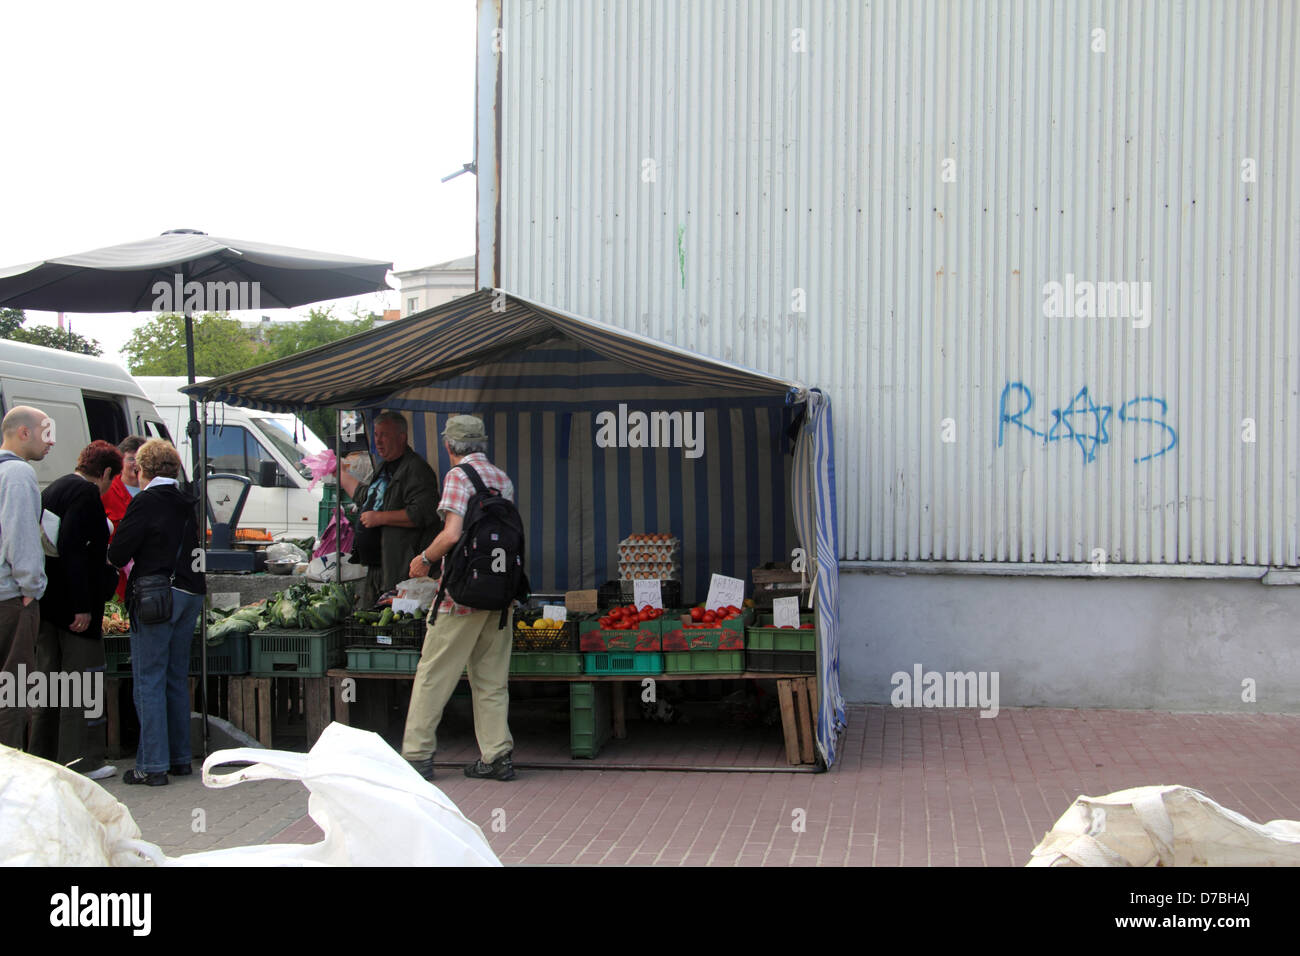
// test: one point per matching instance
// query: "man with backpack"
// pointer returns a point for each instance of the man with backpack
(481, 552)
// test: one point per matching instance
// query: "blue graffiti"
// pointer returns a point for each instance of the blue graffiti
(1083, 421)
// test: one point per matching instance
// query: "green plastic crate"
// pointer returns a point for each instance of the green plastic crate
(704, 662)
(117, 655)
(545, 662)
(590, 721)
(624, 662)
(281, 652)
(383, 660)
(765, 637)
(229, 658)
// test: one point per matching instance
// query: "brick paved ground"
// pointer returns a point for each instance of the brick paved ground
(916, 788)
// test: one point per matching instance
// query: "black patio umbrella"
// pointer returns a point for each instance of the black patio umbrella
(185, 270)
(188, 271)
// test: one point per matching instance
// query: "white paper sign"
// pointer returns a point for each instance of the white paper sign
(648, 592)
(406, 605)
(555, 612)
(383, 639)
(785, 612)
(724, 591)
(225, 599)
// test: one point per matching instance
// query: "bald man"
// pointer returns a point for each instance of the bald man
(28, 436)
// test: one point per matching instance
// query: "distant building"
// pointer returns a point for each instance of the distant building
(433, 285)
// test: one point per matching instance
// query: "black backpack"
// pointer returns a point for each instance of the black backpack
(485, 570)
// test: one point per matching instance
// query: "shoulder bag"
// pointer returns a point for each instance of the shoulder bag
(151, 601)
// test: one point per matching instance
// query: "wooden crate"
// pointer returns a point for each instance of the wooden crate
(777, 580)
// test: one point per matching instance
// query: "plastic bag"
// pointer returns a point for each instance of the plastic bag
(420, 590)
(53, 816)
(322, 465)
(284, 551)
(373, 808)
(334, 540)
(1164, 826)
(324, 568)
(359, 465)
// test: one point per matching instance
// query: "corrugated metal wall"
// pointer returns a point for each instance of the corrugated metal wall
(872, 197)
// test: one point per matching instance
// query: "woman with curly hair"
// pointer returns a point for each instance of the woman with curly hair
(160, 533)
(72, 609)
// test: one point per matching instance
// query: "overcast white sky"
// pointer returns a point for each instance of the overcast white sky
(322, 125)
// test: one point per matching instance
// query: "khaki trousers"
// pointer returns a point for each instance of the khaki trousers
(454, 643)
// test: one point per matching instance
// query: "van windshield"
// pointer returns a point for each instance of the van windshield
(278, 435)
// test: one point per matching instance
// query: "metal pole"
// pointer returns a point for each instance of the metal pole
(338, 494)
(203, 543)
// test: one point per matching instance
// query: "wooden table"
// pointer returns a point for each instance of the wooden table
(796, 694)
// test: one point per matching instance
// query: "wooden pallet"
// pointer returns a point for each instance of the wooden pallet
(798, 700)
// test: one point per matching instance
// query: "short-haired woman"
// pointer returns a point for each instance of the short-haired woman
(123, 488)
(160, 534)
(72, 609)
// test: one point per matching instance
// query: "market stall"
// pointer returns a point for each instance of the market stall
(606, 434)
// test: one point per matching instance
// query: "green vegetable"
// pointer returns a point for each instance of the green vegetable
(386, 618)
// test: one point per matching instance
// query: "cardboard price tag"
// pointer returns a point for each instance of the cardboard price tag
(724, 591)
(648, 592)
(785, 612)
(553, 612)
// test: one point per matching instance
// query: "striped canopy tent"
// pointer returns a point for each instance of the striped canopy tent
(605, 433)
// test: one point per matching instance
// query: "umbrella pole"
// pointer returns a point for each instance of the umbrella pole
(203, 543)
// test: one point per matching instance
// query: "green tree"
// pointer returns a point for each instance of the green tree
(319, 328)
(11, 327)
(221, 346)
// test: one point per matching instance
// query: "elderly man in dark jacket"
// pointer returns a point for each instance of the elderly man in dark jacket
(70, 639)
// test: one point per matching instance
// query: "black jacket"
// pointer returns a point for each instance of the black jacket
(150, 533)
(80, 580)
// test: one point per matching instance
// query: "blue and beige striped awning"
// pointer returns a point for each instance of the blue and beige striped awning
(757, 482)
(457, 337)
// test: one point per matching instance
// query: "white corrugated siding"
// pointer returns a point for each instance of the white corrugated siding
(776, 170)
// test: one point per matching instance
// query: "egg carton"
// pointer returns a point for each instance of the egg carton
(663, 574)
(649, 552)
(662, 540)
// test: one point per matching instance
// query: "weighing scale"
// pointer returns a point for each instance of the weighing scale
(227, 495)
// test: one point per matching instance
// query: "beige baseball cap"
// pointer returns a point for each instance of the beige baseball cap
(464, 428)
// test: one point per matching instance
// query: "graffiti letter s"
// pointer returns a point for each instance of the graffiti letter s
(1126, 416)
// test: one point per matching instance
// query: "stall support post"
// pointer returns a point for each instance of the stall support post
(338, 494)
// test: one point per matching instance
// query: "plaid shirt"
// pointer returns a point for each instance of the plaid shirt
(457, 489)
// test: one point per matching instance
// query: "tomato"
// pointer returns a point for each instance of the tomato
(805, 627)
(647, 608)
(697, 614)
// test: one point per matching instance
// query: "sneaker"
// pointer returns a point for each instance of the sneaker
(151, 779)
(181, 769)
(503, 768)
(103, 773)
(423, 767)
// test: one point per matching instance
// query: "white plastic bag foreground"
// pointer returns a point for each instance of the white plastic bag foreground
(1164, 826)
(373, 808)
(53, 816)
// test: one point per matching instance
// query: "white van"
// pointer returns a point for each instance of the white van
(265, 447)
(87, 398)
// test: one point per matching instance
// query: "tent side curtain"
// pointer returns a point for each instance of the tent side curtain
(813, 496)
